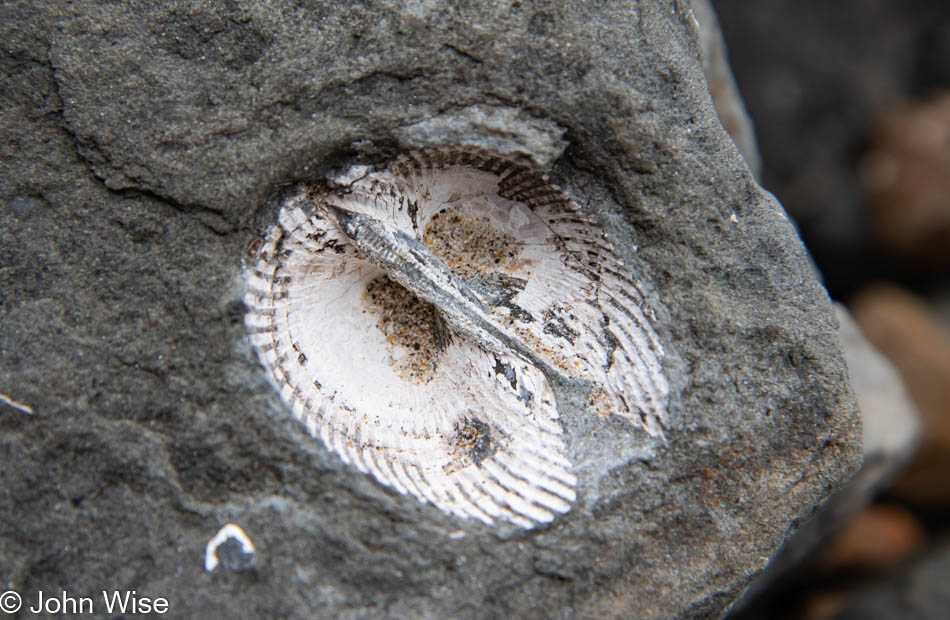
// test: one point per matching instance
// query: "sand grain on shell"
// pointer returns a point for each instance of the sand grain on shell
(410, 325)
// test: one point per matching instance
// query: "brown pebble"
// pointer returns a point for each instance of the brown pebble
(907, 174)
(880, 537)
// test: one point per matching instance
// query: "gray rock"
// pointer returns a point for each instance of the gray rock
(142, 151)
(891, 433)
(891, 421)
(722, 86)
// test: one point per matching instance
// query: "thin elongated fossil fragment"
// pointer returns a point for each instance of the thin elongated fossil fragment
(414, 318)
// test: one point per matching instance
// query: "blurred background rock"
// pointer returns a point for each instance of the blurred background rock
(850, 102)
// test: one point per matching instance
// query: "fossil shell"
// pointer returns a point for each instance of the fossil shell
(414, 317)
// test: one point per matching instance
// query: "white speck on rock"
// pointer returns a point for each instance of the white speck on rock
(229, 532)
(16, 404)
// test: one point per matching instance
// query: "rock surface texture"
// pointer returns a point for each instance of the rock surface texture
(144, 151)
(722, 86)
(891, 434)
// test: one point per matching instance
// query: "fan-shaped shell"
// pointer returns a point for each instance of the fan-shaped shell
(412, 319)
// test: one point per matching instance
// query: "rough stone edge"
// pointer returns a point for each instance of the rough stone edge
(891, 435)
(722, 86)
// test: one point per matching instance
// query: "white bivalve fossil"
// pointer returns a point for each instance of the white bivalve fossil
(414, 318)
